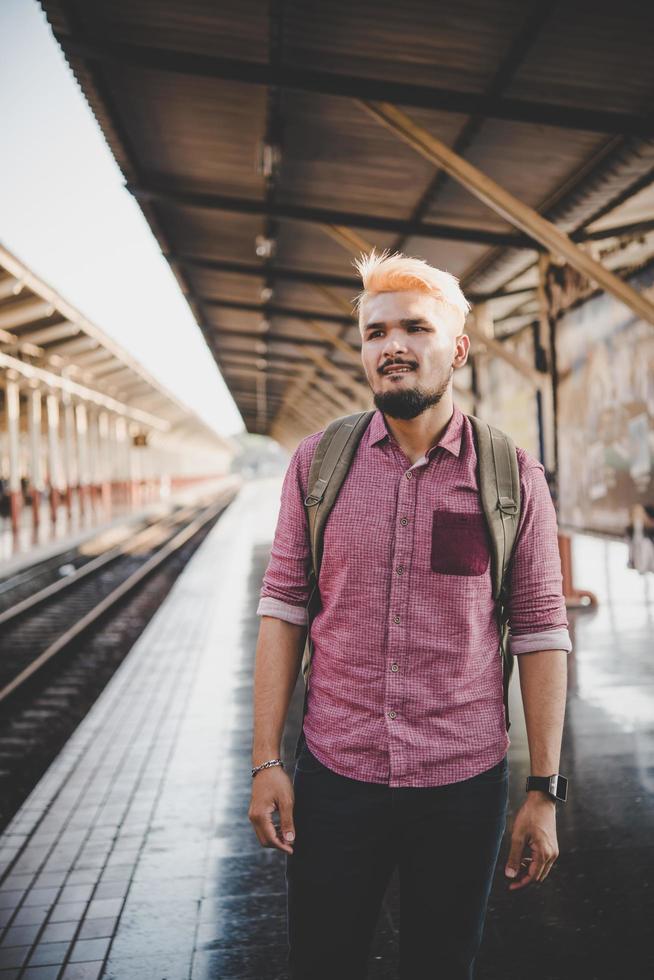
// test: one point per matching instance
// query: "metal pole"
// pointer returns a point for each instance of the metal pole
(54, 463)
(104, 460)
(36, 477)
(12, 410)
(81, 424)
(70, 471)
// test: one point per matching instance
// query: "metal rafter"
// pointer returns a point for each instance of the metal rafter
(326, 216)
(252, 270)
(355, 87)
(343, 220)
(537, 14)
(270, 310)
(508, 206)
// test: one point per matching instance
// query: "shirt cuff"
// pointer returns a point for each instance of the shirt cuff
(268, 606)
(556, 639)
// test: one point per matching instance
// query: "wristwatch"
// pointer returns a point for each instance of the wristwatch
(555, 786)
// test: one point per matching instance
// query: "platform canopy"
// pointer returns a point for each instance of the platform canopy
(47, 343)
(269, 143)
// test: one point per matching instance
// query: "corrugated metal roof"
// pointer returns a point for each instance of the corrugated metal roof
(550, 100)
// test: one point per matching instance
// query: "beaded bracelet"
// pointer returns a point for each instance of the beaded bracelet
(266, 765)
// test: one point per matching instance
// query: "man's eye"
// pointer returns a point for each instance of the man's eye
(416, 326)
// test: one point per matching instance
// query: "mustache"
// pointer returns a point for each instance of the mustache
(409, 364)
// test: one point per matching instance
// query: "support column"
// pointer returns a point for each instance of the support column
(93, 461)
(120, 430)
(36, 469)
(104, 460)
(81, 426)
(69, 451)
(12, 412)
(54, 462)
(548, 416)
(546, 362)
(133, 469)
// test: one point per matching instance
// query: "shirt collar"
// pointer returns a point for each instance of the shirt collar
(450, 440)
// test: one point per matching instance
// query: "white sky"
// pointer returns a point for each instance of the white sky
(65, 213)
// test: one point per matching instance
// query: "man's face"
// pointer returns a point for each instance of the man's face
(419, 337)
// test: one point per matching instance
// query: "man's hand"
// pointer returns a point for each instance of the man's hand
(272, 790)
(534, 829)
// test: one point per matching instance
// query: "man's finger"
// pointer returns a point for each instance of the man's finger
(268, 834)
(548, 867)
(273, 835)
(526, 879)
(287, 827)
(512, 867)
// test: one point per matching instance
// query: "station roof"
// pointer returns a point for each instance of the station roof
(242, 129)
(44, 339)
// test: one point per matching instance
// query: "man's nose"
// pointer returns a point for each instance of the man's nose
(394, 344)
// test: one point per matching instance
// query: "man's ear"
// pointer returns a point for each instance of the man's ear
(460, 359)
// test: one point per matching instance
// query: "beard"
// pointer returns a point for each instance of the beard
(408, 403)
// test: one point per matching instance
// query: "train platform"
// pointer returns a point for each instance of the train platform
(134, 859)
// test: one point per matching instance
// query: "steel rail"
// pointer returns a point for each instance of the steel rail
(111, 554)
(76, 630)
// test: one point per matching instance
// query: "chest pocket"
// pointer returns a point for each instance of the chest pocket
(460, 544)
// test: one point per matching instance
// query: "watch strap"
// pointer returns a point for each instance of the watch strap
(555, 786)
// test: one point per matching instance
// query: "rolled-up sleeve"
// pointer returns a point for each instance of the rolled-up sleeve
(536, 605)
(285, 589)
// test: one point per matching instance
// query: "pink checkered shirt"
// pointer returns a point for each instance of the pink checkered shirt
(406, 677)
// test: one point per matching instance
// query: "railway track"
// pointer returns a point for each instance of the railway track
(25, 582)
(60, 644)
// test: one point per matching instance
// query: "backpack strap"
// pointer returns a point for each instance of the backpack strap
(499, 489)
(329, 467)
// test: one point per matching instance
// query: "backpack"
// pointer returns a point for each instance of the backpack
(499, 488)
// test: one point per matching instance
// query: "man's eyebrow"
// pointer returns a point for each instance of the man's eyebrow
(417, 321)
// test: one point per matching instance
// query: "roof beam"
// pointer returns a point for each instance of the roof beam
(356, 87)
(247, 350)
(244, 365)
(266, 272)
(97, 355)
(9, 286)
(74, 347)
(268, 310)
(48, 334)
(270, 336)
(325, 216)
(27, 311)
(507, 206)
(57, 382)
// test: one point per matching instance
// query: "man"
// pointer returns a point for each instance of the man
(403, 760)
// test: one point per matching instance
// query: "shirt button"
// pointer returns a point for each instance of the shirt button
(399, 569)
(394, 668)
(396, 619)
(403, 521)
(409, 475)
(392, 714)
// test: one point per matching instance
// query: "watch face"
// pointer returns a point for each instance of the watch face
(562, 789)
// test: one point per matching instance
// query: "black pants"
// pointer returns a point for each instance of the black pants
(350, 836)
